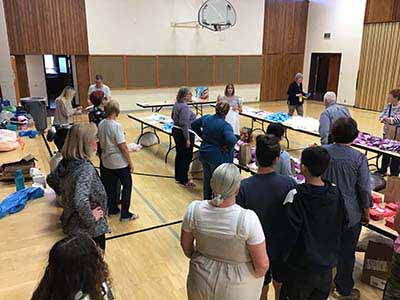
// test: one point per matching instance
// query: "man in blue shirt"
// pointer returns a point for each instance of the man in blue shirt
(217, 145)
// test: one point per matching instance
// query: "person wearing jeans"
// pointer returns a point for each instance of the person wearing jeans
(184, 140)
(217, 145)
(116, 163)
(348, 169)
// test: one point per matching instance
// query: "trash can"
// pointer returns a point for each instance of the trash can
(36, 106)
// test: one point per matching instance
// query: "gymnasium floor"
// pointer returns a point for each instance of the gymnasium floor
(145, 265)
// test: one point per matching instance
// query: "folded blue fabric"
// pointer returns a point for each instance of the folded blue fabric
(17, 201)
(277, 117)
(31, 133)
(168, 126)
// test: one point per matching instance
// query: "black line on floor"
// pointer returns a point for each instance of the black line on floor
(143, 230)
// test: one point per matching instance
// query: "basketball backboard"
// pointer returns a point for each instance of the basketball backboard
(217, 15)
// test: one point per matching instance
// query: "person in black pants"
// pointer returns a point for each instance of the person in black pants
(116, 163)
(184, 140)
(296, 96)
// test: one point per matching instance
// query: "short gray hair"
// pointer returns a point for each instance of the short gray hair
(298, 76)
(182, 92)
(330, 97)
(224, 182)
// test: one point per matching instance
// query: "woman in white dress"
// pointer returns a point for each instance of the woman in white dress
(235, 107)
(225, 244)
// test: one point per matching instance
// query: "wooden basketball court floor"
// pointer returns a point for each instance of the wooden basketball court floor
(144, 265)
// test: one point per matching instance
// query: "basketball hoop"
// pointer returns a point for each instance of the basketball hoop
(217, 15)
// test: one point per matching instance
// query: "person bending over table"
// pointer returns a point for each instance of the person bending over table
(100, 86)
(348, 169)
(183, 116)
(116, 163)
(76, 181)
(217, 145)
(235, 107)
(390, 114)
(296, 96)
(229, 259)
(64, 111)
(331, 113)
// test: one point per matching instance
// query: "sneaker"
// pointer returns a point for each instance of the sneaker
(354, 295)
(130, 218)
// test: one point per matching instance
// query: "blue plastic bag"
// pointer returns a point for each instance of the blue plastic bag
(17, 201)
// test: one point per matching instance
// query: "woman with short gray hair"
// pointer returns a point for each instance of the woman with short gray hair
(183, 116)
(296, 96)
(229, 260)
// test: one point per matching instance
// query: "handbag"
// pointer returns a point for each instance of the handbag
(392, 193)
(244, 154)
(8, 170)
(393, 132)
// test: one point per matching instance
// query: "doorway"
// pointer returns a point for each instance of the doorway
(58, 74)
(324, 74)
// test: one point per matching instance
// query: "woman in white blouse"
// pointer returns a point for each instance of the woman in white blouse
(229, 259)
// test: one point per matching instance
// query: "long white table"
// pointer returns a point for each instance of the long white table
(258, 117)
(157, 107)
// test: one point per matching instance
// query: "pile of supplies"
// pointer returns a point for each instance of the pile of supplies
(370, 140)
(383, 211)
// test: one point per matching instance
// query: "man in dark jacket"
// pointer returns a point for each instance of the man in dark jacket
(296, 95)
(317, 216)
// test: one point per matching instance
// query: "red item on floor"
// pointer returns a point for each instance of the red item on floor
(388, 213)
(377, 198)
(392, 206)
(375, 215)
(390, 222)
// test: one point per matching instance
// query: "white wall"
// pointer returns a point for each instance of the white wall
(344, 19)
(6, 72)
(36, 76)
(143, 27)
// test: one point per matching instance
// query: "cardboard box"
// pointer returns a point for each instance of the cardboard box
(377, 264)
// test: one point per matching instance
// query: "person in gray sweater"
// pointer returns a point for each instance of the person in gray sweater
(184, 140)
(83, 197)
(331, 113)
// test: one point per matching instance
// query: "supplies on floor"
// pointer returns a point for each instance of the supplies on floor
(31, 133)
(38, 178)
(8, 140)
(377, 264)
(17, 201)
(8, 170)
(133, 147)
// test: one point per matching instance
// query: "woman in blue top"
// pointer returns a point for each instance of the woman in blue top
(217, 145)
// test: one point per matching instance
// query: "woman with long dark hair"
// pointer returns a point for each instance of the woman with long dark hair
(76, 270)
(184, 140)
(235, 107)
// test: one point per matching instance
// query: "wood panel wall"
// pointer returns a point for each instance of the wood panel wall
(22, 76)
(379, 64)
(285, 27)
(135, 72)
(83, 78)
(46, 27)
(378, 11)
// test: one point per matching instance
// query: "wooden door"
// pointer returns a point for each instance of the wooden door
(334, 72)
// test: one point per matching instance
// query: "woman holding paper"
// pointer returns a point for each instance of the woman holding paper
(296, 96)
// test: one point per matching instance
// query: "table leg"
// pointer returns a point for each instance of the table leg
(170, 148)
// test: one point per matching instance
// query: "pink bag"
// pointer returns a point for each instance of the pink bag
(8, 140)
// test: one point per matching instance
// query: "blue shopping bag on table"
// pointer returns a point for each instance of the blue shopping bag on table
(17, 201)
